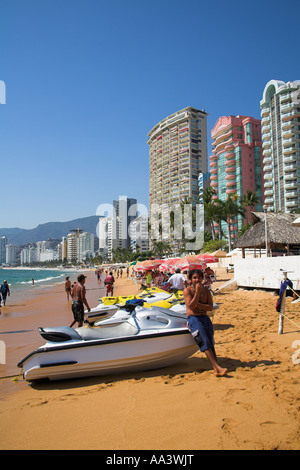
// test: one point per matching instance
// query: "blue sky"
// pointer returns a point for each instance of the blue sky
(86, 80)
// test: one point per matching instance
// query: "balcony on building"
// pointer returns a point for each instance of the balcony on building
(230, 191)
(230, 169)
(265, 121)
(267, 159)
(289, 159)
(269, 200)
(292, 167)
(292, 185)
(268, 175)
(267, 152)
(265, 112)
(292, 194)
(266, 144)
(290, 176)
(267, 168)
(291, 204)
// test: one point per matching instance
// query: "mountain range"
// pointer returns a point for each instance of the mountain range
(18, 236)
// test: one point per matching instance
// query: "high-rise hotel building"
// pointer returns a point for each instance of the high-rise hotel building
(178, 154)
(236, 161)
(280, 112)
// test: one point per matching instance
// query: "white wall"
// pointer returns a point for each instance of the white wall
(265, 272)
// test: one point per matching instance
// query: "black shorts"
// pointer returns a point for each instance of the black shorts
(78, 311)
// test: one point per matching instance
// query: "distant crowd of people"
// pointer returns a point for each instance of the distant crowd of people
(172, 282)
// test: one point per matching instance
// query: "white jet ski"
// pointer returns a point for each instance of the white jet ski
(150, 338)
(108, 306)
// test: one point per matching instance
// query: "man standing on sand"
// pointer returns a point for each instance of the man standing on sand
(79, 299)
(198, 303)
(177, 281)
(5, 291)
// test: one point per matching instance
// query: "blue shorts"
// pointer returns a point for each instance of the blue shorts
(202, 331)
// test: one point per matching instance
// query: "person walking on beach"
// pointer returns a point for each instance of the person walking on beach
(5, 291)
(109, 282)
(198, 301)
(68, 287)
(79, 300)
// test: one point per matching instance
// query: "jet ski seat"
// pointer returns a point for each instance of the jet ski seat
(88, 333)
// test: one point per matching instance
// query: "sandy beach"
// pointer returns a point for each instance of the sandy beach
(183, 407)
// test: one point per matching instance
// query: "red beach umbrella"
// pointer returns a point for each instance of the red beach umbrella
(168, 265)
(190, 262)
(208, 258)
(148, 265)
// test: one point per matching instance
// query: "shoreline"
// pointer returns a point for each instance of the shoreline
(257, 406)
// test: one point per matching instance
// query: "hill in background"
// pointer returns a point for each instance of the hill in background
(57, 230)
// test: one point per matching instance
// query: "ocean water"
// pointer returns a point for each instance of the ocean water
(20, 280)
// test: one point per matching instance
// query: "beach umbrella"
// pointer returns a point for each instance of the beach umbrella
(148, 265)
(133, 263)
(208, 258)
(219, 254)
(189, 262)
(168, 265)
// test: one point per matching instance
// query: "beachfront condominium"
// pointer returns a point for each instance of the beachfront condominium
(114, 229)
(125, 211)
(177, 155)
(3, 243)
(236, 162)
(280, 113)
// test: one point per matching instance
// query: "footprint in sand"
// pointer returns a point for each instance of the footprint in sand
(246, 406)
(229, 424)
(37, 403)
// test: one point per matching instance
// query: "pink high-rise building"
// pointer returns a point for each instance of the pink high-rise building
(236, 162)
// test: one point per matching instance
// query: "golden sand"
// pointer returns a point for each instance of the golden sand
(184, 407)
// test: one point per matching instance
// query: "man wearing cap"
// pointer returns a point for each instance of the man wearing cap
(79, 299)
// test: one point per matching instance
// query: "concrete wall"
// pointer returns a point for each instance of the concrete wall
(265, 272)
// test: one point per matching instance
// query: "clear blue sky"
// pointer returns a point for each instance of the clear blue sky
(86, 80)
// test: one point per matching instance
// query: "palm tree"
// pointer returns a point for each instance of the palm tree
(230, 210)
(210, 209)
(250, 199)
(161, 248)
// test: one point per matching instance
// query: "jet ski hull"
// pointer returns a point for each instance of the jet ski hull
(145, 350)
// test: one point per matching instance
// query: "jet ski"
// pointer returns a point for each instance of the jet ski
(148, 339)
(108, 306)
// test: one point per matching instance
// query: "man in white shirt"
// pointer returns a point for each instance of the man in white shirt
(177, 281)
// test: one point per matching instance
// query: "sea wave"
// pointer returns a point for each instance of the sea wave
(46, 279)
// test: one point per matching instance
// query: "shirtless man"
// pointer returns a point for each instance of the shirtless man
(78, 296)
(198, 303)
(68, 287)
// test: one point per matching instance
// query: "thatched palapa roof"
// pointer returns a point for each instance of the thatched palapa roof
(280, 230)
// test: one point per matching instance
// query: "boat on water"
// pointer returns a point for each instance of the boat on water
(149, 338)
